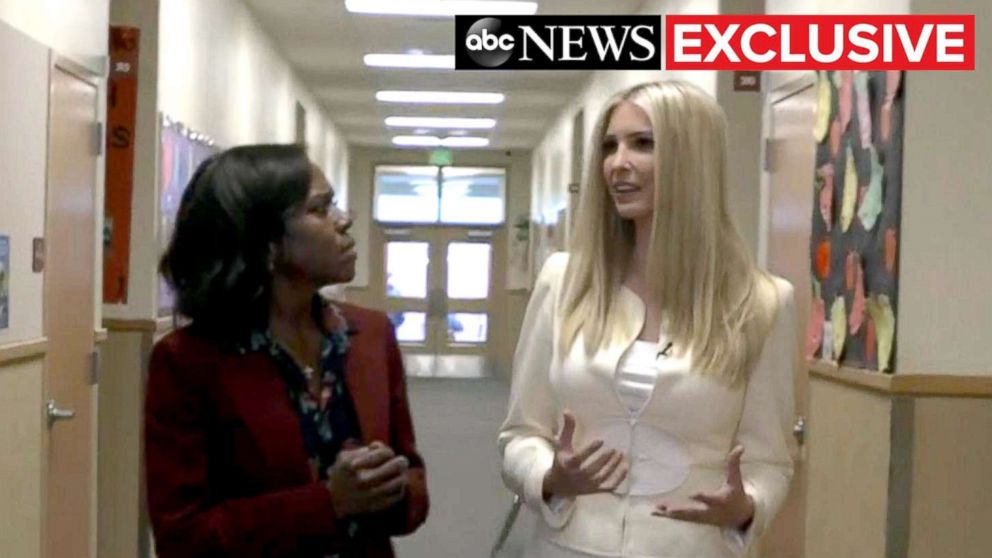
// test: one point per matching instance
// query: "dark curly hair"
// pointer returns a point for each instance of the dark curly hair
(233, 210)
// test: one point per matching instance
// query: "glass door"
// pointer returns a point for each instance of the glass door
(439, 287)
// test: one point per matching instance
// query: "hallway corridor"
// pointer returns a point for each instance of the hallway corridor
(421, 192)
(456, 424)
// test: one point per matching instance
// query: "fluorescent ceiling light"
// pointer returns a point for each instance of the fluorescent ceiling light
(442, 61)
(434, 141)
(440, 97)
(425, 141)
(439, 122)
(464, 141)
(440, 8)
(451, 172)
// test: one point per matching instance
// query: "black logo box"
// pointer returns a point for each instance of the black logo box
(501, 58)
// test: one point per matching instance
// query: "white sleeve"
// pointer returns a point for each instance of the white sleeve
(766, 422)
(525, 439)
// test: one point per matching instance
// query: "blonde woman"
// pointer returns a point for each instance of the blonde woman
(652, 384)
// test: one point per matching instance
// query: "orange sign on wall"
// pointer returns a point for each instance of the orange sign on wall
(122, 101)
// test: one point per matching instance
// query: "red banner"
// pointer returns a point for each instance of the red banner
(122, 101)
(843, 42)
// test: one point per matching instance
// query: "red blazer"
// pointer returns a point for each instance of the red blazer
(227, 470)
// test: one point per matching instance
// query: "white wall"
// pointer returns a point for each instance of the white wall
(220, 74)
(945, 269)
(23, 163)
(76, 28)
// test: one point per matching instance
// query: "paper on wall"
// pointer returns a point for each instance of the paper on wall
(850, 194)
(825, 177)
(862, 107)
(871, 205)
(884, 319)
(857, 316)
(838, 319)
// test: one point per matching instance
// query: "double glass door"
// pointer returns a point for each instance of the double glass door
(439, 284)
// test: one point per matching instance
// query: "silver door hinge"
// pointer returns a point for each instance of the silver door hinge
(98, 139)
(94, 367)
(767, 163)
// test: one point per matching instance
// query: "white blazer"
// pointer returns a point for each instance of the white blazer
(677, 445)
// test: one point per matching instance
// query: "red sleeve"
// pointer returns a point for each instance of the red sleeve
(411, 512)
(186, 519)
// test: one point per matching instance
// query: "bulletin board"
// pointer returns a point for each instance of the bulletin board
(856, 218)
(182, 151)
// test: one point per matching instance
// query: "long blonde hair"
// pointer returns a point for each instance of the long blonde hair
(715, 301)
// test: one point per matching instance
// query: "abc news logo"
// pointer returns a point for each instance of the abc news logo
(558, 42)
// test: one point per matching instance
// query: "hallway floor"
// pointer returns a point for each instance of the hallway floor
(456, 422)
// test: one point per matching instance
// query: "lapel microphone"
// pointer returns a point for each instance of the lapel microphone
(666, 352)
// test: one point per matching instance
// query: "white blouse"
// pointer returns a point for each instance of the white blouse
(636, 375)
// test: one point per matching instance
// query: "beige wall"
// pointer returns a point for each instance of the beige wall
(21, 465)
(119, 458)
(847, 464)
(952, 453)
(945, 307)
(744, 144)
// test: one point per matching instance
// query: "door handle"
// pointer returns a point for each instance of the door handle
(55, 414)
(799, 430)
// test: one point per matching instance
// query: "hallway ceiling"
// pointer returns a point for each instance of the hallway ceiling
(325, 44)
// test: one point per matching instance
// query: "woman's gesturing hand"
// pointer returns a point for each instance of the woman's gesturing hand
(729, 506)
(585, 471)
(368, 479)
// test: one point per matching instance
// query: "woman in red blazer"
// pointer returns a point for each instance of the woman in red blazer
(276, 422)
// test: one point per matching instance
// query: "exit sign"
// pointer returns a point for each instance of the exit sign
(441, 157)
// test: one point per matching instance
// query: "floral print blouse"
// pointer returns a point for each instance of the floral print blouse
(328, 420)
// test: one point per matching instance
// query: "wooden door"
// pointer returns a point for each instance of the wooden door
(70, 393)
